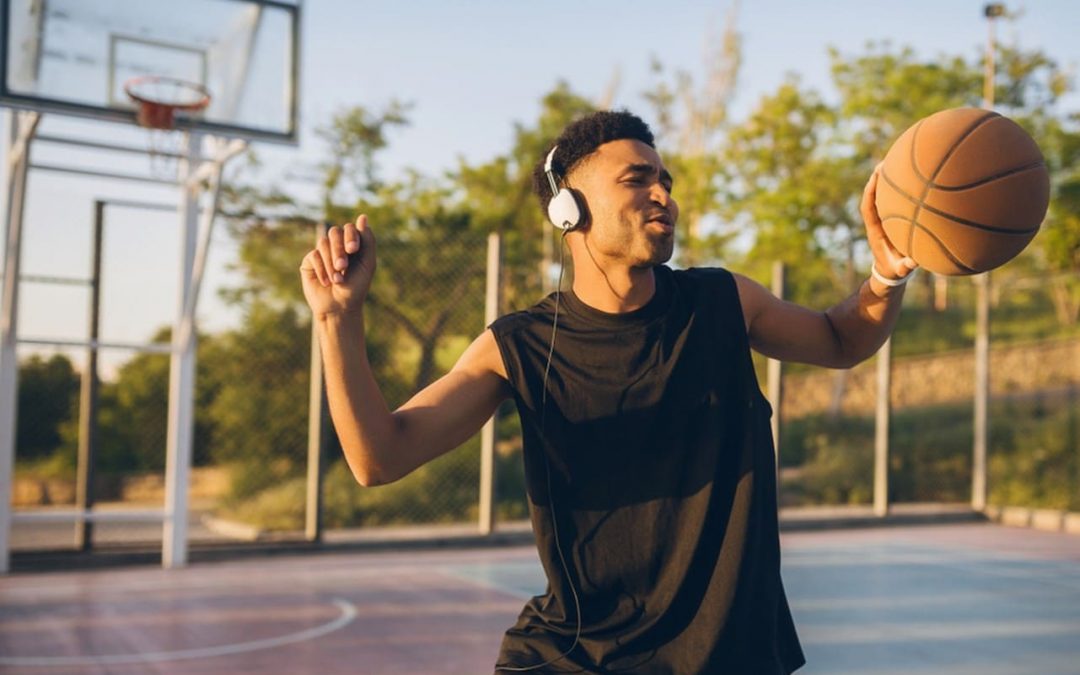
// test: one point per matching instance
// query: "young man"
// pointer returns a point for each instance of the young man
(647, 446)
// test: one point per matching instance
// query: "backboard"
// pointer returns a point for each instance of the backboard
(74, 56)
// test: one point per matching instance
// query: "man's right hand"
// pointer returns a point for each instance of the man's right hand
(337, 273)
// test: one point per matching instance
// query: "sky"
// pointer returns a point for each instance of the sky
(471, 71)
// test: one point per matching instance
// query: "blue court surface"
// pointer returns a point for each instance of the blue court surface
(967, 600)
(948, 599)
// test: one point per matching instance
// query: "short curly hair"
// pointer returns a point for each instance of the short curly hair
(581, 138)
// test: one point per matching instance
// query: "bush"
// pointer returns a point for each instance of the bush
(1034, 455)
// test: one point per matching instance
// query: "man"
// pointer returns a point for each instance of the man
(647, 447)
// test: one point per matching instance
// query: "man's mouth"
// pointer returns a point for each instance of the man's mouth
(663, 220)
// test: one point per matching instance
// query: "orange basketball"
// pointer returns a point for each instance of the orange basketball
(963, 191)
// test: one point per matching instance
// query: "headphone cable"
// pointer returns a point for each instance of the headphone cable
(547, 468)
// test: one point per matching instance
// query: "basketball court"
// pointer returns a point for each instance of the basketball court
(948, 599)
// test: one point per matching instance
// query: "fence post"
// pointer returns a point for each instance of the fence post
(487, 434)
(88, 397)
(775, 377)
(883, 410)
(316, 430)
(982, 390)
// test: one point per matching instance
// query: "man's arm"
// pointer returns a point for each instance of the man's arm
(844, 334)
(839, 337)
(382, 446)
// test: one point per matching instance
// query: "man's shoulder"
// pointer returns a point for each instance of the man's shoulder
(713, 279)
(524, 319)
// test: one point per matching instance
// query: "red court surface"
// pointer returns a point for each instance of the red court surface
(949, 599)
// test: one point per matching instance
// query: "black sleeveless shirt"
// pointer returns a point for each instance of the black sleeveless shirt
(653, 460)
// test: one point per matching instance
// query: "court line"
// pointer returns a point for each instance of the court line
(348, 614)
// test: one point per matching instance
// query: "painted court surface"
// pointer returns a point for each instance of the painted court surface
(947, 600)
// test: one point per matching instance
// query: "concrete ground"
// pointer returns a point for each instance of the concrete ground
(953, 599)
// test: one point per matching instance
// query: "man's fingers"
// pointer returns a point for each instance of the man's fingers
(313, 267)
(868, 207)
(367, 236)
(352, 237)
(337, 249)
(327, 256)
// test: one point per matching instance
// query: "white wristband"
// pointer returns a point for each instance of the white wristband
(892, 283)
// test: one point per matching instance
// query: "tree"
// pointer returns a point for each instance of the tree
(793, 190)
(48, 398)
(499, 195)
(692, 126)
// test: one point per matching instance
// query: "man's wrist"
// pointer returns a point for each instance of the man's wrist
(886, 281)
(348, 321)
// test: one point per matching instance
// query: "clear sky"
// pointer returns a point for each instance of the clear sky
(471, 70)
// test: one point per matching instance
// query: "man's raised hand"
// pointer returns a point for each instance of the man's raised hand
(336, 274)
(889, 261)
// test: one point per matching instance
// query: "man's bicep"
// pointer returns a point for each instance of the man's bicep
(785, 331)
(452, 409)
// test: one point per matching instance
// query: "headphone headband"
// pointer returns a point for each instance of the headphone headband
(550, 173)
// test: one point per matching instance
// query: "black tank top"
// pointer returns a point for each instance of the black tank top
(662, 481)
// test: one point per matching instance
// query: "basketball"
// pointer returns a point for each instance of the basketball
(963, 191)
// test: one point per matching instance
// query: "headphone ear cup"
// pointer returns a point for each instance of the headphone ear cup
(564, 211)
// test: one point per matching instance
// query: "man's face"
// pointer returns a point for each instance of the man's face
(628, 193)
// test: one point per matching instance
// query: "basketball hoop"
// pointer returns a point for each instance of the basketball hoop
(159, 98)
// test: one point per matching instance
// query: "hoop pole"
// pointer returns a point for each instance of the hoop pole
(21, 135)
(174, 549)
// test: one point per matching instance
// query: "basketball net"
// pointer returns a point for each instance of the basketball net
(158, 99)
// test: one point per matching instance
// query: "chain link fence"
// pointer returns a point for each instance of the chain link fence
(828, 419)
(253, 387)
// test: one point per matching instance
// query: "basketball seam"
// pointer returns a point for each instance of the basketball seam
(948, 216)
(945, 249)
(941, 163)
(989, 179)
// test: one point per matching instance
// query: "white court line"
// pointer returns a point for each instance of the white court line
(348, 614)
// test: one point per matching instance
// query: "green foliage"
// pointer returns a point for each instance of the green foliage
(834, 460)
(260, 376)
(692, 122)
(1034, 455)
(48, 398)
(354, 137)
(782, 184)
(498, 195)
(1035, 452)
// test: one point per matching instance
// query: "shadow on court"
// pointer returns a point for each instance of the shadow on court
(949, 600)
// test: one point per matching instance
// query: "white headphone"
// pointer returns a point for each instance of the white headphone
(563, 210)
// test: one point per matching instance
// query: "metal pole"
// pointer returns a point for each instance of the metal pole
(982, 311)
(88, 396)
(316, 431)
(881, 429)
(775, 375)
(174, 552)
(487, 434)
(23, 126)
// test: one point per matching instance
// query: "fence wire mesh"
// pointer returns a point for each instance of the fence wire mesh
(252, 394)
(828, 419)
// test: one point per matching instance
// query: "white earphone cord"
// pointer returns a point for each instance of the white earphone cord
(547, 466)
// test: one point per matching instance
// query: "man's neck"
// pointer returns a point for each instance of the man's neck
(615, 291)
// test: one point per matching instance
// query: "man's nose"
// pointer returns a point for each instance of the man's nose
(660, 195)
